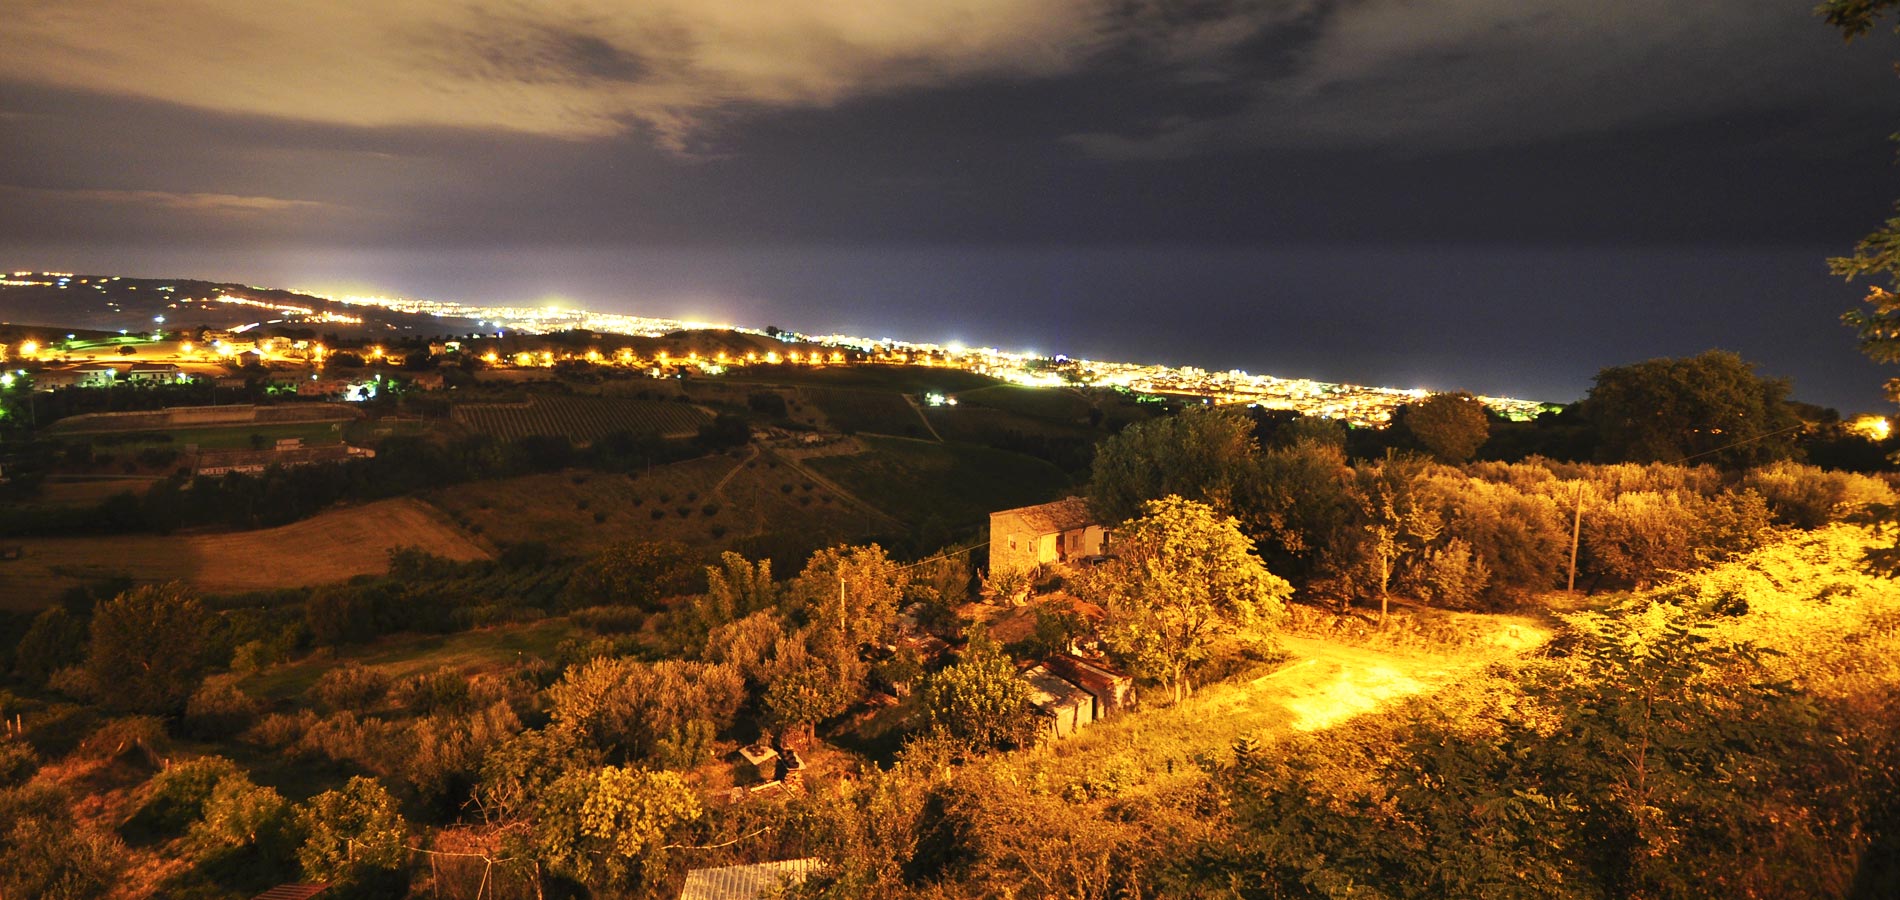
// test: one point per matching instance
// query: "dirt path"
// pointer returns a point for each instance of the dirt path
(719, 490)
(925, 419)
(849, 498)
(1325, 684)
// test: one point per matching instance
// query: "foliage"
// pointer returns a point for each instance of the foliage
(55, 640)
(636, 573)
(18, 762)
(45, 857)
(351, 834)
(147, 648)
(1451, 427)
(625, 707)
(1711, 407)
(351, 686)
(1184, 575)
(980, 700)
(848, 593)
(608, 827)
(177, 795)
(1197, 455)
(239, 814)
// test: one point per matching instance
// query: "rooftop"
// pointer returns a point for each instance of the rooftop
(1057, 515)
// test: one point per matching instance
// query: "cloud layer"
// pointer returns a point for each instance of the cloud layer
(572, 69)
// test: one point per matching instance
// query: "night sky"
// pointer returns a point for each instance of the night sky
(1495, 195)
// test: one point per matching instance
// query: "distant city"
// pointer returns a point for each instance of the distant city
(1361, 405)
(1356, 404)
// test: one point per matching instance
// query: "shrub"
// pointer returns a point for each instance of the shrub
(220, 708)
(143, 736)
(443, 690)
(176, 796)
(18, 762)
(352, 834)
(351, 686)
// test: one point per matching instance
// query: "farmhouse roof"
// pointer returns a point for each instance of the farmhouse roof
(747, 882)
(1066, 514)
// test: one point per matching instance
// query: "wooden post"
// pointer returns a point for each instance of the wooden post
(1576, 535)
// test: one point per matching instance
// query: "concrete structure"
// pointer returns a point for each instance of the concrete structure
(1030, 537)
(1065, 706)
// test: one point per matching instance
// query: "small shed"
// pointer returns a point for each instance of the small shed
(748, 882)
(1066, 706)
(1106, 684)
(1028, 537)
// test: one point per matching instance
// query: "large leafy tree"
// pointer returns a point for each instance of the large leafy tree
(634, 573)
(1200, 454)
(1451, 427)
(608, 827)
(1710, 408)
(1184, 575)
(148, 648)
(849, 592)
(352, 835)
(980, 700)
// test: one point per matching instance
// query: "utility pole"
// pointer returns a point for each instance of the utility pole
(1576, 535)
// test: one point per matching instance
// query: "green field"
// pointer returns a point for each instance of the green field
(962, 484)
(1052, 404)
(867, 412)
(581, 419)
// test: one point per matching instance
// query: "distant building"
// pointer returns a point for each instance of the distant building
(1030, 537)
(87, 375)
(155, 373)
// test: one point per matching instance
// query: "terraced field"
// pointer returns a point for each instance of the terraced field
(582, 419)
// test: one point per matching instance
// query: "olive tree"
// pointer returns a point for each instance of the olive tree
(1184, 575)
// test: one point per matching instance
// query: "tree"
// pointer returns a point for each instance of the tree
(1451, 427)
(1395, 527)
(1878, 255)
(1199, 455)
(55, 640)
(1710, 408)
(980, 700)
(609, 826)
(148, 648)
(352, 834)
(1185, 574)
(850, 591)
(635, 573)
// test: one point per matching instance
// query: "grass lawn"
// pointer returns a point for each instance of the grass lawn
(868, 412)
(234, 437)
(913, 480)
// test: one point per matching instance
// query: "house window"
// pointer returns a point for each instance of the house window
(1012, 542)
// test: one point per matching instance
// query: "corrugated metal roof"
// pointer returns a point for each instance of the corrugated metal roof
(293, 892)
(747, 882)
